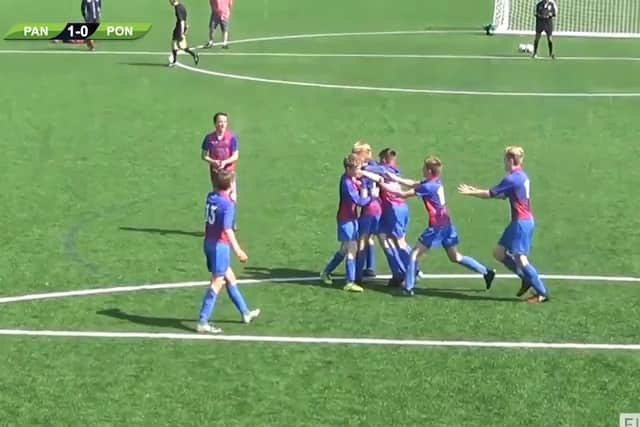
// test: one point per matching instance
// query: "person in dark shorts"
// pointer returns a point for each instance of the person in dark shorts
(179, 38)
(545, 11)
(220, 17)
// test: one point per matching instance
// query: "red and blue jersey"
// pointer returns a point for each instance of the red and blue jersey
(221, 147)
(374, 208)
(432, 193)
(391, 200)
(350, 199)
(516, 187)
(219, 216)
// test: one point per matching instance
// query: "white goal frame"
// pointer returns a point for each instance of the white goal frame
(503, 20)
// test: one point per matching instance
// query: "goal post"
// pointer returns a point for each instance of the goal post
(585, 18)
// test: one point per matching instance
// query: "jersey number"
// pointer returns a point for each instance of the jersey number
(210, 214)
(527, 189)
(441, 196)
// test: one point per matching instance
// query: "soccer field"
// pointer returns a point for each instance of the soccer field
(103, 187)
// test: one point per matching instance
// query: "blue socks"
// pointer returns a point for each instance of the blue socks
(208, 303)
(334, 263)
(531, 276)
(473, 265)
(392, 260)
(238, 300)
(410, 277)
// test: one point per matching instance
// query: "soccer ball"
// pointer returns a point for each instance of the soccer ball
(525, 48)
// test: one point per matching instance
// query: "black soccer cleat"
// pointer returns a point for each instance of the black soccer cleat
(524, 287)
(196, 58)
(488, 278)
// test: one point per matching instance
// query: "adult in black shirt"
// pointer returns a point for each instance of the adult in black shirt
(545, 11)
(179, 39)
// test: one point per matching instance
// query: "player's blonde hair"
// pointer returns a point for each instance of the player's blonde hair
(433, 164)
(515, 153)
(351, 161)
(360, 147)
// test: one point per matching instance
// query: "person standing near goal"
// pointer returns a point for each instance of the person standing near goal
(545, 11)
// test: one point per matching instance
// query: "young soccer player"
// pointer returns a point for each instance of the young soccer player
(179, 38)
(369, 220)
(347, 218)
(219, 239)
(440, 232)
(220, 149)
(395, 219)
(220, 16)
(515, 244)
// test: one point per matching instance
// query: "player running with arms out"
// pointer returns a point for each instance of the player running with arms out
(440, 232)
(347, 219)
(219, 240)
(515, 244)
(545, 11)
(179, 38)
(220, 16)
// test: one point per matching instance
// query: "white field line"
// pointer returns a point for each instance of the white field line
(328, 55)
(320, 340)
(160, 286)
(412, 90)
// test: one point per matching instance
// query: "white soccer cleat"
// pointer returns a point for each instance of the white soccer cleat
(207, 328)
(250, 316)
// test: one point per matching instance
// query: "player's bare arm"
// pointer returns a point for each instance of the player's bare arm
(403, 181)
(468, 190)
(231, 160)
(231, 235)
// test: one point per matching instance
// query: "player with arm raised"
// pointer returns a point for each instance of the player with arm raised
(179, 38)
(218, 241)
(515, 244)
(347, 219)
(440, 231)
(545, 11)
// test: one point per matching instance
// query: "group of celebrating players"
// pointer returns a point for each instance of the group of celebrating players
(372, 203)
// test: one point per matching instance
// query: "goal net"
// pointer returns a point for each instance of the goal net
(587, 18)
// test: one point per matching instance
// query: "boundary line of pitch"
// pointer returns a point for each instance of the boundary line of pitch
(328, 55)
(323, 340)
(161, 286)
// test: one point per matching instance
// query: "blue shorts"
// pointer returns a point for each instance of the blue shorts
(395, 221)
(348, 231)
(444, 237)
(369, 225)
(218, 257)
(517, 237)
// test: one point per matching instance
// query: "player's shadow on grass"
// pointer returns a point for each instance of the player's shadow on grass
(446, 293)
(164, 231)
(163, 322)
(266, 273)
(145, 64)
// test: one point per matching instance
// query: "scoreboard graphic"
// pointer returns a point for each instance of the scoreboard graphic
(78, 31)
